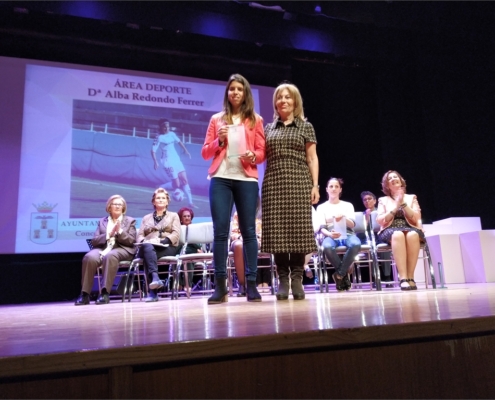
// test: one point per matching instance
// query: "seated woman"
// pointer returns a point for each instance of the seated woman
(238, 250)
(330, 213)
(159, 228)
(186, 216)
(399, 217)
(113, 242)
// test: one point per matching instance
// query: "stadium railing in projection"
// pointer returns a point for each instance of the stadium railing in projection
(117, 158)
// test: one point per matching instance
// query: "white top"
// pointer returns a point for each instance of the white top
(231, 168)
(327, 211)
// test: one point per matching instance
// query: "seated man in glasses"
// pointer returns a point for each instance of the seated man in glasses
(369, 202)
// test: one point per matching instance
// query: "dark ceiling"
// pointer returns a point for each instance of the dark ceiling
(349, 33)
(445, 17)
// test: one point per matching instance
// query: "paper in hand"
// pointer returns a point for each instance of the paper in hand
(236, 140)
(340, 227)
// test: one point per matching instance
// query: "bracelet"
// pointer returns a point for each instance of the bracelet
(403, 205)
(316, 186)
(221, 144)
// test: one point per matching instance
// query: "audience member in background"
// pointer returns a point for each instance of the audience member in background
(290, 187)
(159, 234)
(307, 269)
(331, 213)
(113, 242)
(186, 216)
(369, 202)
(399, 216)
(234, 180)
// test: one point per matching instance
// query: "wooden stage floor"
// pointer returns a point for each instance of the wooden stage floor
(37, 339)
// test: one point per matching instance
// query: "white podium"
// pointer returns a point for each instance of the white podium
(443, 238)
(478, 256)
(446, 249)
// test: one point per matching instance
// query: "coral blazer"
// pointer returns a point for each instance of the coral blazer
(255, 142)
(387, 204)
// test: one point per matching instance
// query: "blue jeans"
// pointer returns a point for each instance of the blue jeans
(224, 193)
(353, 245)
(150, 255)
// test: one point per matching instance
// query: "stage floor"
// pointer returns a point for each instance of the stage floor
(38, 329)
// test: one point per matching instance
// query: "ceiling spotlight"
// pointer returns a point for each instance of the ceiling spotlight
(318, 9)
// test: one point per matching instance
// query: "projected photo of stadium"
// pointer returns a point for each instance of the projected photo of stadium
(112, 146)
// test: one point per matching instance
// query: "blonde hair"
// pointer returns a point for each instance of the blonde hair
(115, 197)
(159, 190)
(296, 96)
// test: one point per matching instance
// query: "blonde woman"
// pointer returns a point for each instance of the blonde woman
(161, 227)
(290, 187)
(112, 242)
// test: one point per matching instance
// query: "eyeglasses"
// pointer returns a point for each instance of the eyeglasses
(117, 205)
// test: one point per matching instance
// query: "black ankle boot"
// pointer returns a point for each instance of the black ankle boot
(251, 292)
(220, 295)
(283, 283)
(296, 276)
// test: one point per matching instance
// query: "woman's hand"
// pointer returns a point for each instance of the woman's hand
(338, 217)
(315, 195)
(400, 196)
(148, 229)
(223, 133)
(115, 229)
(334, 234)
(249, 157)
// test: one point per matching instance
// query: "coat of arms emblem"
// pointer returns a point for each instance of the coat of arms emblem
(44, 224)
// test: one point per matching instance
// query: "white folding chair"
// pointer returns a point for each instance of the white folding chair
(200, 233)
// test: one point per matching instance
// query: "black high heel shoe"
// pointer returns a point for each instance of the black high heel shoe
(408, 287)
(413, 286)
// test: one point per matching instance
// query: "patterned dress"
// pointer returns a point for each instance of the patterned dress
(399, 224)
(286, 192)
